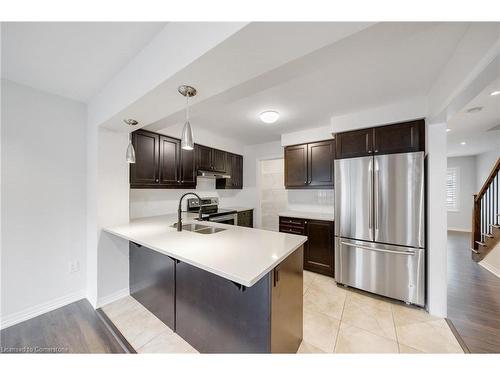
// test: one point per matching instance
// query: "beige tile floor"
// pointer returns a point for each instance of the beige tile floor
(336, 320)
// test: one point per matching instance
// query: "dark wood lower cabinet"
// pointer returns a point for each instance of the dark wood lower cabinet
(216, 315)
(319, 248)
(245, 219)
(152, 282)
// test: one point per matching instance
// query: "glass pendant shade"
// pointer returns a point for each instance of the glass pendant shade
(130, 153)
(187, 137)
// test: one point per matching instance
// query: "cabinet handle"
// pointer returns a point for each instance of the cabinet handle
(276, 275)
(157, 180)
(376, 151)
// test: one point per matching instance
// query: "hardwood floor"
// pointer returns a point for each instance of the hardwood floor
(473, 297)
(75, 328)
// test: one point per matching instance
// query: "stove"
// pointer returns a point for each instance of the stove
(211, 211)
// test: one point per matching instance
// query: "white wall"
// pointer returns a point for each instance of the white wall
(44, 200)
(461, 219)
(492, 261)
(484, 165)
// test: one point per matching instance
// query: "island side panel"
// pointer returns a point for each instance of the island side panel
(152, 282)
(287, 303)
(215, 316)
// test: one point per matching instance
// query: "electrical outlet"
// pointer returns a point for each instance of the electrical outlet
(74, 266)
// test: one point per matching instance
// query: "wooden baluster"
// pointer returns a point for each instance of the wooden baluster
(476, 222)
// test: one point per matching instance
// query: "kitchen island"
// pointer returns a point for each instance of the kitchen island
(225, 289)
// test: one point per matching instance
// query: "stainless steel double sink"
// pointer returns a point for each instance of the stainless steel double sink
(199, 228)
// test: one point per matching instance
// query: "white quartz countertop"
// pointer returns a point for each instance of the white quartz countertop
(239, 254)
(327, 216)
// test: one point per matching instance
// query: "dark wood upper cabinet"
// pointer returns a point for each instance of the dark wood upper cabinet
(404, 137)
(188, 168)
(234, 168)
(169, 161)
(203, 157)
(318, 250)
(388, 139)
(296, 166)
(320, 157)
(354, 143)
(218, 160)
(145, 170)
(309, 165)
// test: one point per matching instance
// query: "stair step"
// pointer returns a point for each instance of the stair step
(495, 226)
(474, 251)
(480, 243)
(487, 235)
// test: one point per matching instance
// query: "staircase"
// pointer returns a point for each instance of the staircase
(486, 216)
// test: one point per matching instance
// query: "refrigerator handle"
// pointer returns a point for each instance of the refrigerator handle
(410, 253)
(370, 198)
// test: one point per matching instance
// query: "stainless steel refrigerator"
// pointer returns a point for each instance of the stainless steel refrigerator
(379, 225)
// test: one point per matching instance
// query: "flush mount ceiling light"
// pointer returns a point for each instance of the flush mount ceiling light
(495, 93)
(448, 130)
(474, 109)
(130, 155)
(463, 143)
(269, 117)
(187, 142)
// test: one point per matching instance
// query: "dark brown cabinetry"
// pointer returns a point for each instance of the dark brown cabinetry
(234, 168)
(145, 170)
(245, 218)
(160, 162)
(210, 159)
(309, 165)
(318, 250)
(389, 139)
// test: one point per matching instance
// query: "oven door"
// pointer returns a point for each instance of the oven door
(231, 219)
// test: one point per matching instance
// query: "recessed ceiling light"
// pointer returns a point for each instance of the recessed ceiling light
(269, 117)
(463, 143)
(495, 93)
(474, 109)
(448, 130)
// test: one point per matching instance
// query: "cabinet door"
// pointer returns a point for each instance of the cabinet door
(237, 170)
(169, 161)
(296, 166)
(152, 282)
(397, 138)
(287, 304)
(245, 219)
(318, 250)
(320, 164)
(146, 167)
(188, 169)
(354, 143)
(219, 160)
(204, 158)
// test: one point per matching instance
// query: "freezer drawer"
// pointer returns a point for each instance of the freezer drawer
(392, 271)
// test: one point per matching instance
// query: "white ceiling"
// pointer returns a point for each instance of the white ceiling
(475, 128)
(381, 64)
(71, 59)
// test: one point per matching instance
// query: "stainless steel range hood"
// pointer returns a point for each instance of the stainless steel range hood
(212, 174)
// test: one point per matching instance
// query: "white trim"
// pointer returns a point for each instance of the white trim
(460, 230)
(42, 308)
(495, 271)
(113, 297)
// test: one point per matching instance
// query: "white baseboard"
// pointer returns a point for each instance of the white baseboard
(113, 297)
(42, 308)
(495, 271)
(460, 230)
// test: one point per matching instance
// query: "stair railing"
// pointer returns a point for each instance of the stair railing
(485, 211)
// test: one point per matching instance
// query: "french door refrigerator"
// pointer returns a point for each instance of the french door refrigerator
(379, 225)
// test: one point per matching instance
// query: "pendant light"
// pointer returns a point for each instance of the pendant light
(187, 142)
(130, 155)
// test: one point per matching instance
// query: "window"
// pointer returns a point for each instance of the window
(452, 177)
